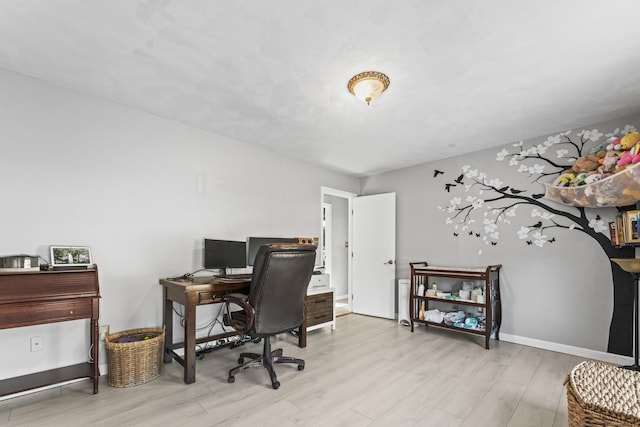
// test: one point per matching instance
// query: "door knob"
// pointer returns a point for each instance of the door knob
(389, 262)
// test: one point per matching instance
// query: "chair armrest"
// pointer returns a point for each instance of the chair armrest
(237, 296)
(242, 301)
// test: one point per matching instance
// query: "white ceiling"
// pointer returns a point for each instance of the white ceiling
(465, 74)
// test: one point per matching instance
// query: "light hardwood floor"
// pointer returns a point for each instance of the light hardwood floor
(368, 372)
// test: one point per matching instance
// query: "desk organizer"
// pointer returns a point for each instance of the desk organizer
(603, 395)
(134, 362)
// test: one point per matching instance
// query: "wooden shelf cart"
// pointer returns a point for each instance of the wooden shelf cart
(422, 273)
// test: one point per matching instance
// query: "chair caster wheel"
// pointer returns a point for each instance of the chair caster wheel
(275, 385)
(231, 380)
(241, 360)
(300, 367)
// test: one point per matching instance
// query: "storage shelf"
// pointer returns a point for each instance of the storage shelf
(621, 189)
(457, 328)
(45, 378)
(488, 277)
(451, 301)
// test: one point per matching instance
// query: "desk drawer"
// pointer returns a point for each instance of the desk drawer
(48, 285)
(207, 297)
(35, 313)
(211, 297)
(318, 318)
(319, 308)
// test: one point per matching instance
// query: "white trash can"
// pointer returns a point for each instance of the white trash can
(403, 302)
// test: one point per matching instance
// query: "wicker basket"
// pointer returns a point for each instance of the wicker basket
(137, 362)
(603, 395)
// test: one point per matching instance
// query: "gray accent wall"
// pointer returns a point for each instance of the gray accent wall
(559, 293)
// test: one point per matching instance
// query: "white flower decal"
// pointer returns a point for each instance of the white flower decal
(502, 155)
(523, 233)
(598, 225)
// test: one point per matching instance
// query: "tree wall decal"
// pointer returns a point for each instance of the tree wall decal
(487, 203)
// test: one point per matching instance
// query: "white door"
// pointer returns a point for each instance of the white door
(374, 255)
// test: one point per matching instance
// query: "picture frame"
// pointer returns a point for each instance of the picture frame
(70, 256)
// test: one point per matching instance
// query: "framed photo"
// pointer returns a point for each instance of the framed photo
(70, 256)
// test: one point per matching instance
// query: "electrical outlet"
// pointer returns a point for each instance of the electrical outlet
(37, 344)
(104, 331)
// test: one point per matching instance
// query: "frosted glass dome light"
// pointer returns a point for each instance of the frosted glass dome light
(368, 85)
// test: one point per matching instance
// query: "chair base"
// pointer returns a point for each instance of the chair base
(267, 359)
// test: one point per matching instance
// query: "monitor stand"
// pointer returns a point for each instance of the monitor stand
(222, 272)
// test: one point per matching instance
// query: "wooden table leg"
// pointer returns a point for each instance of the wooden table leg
(302, 335)
(167, 316)
(190, 340)
(95, 343)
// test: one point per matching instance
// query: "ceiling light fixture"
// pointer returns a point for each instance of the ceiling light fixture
(368, 86)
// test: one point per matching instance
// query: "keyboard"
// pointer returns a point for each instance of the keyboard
(236, 278)
(239, 276)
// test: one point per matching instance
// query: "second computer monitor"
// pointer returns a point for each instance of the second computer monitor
(254, 243)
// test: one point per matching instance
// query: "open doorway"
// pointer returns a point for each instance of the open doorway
(335, 244)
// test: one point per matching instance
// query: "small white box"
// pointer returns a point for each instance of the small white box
(319, 281)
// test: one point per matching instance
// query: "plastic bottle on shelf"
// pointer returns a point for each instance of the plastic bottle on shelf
(434, 286)
(421, 290)
(480, 299)
(421, 316)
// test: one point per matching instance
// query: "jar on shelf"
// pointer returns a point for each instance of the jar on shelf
(467, 286)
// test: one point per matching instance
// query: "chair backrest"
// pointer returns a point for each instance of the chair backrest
(281, 275)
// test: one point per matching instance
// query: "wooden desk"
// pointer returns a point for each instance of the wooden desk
(39, 297)
(191, 294)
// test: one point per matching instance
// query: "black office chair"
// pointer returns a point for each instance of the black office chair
(281, 274)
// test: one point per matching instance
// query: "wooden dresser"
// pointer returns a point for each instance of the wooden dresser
(34, 298)
(319, 312)
(320, 309)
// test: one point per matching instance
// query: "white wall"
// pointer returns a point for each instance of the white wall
(559, 294)
(142, 192)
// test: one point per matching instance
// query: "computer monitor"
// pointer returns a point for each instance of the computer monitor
(223, 254)
(254, 243)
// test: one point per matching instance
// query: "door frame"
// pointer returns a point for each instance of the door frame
(349, 196)
(326, 239)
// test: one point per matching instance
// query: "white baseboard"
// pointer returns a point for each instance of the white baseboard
(563, 348)
(47, 387)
